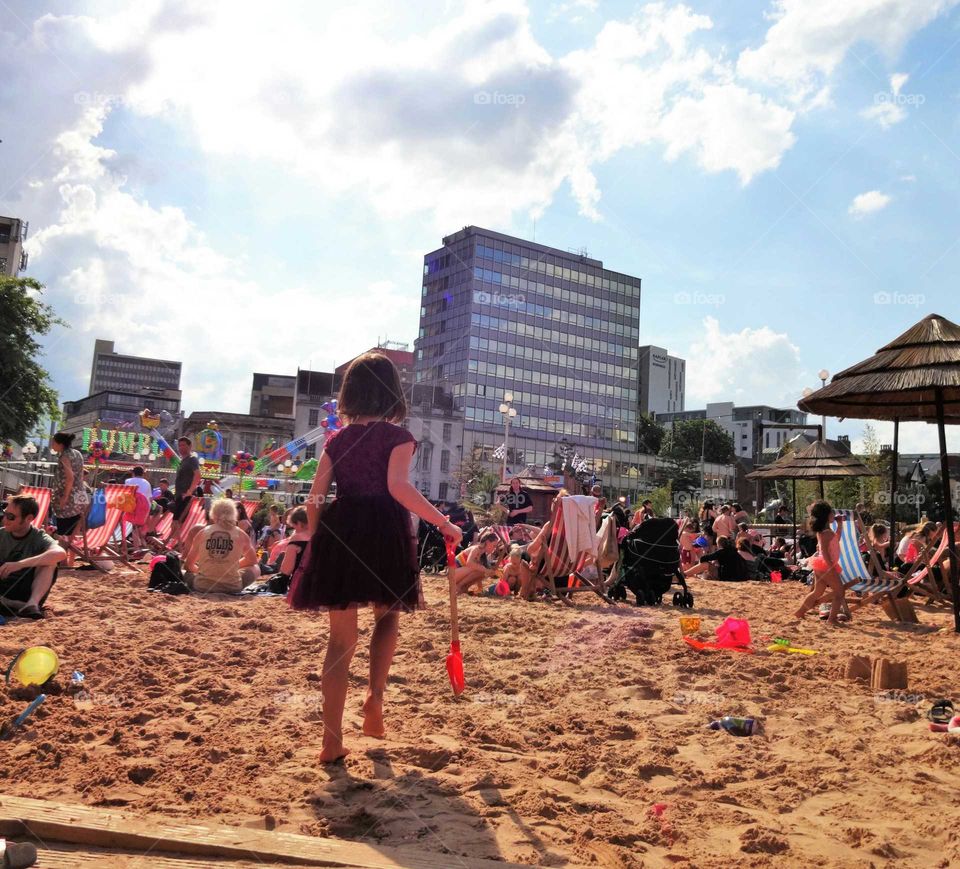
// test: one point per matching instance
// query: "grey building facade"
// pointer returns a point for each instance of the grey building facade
(13, 258)
(662, 381)
(556, 330)
(118, 371)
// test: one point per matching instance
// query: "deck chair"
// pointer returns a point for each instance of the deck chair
(924, 582)
(42, 497)
(94, 545)
(251, 507)
(195, 514)
(556, 562)
(164, 527)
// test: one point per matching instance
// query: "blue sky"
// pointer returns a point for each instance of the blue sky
(252, 192)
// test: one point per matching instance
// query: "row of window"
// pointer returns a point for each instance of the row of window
(424, 459)
(548, 357)
(525, 400)
(555, 426)
(564, 339)
(570, 297)
(496, 391)
(511, 375)
(557, 271)
(557, 315)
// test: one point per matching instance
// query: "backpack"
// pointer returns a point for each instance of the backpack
(167, 577)
(97, 514)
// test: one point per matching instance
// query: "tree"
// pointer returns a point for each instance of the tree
(26, 395)
(650, 434)
(686, 438)
(662, 499)
(477, 481)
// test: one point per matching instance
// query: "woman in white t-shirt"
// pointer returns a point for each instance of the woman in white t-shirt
(221, 557)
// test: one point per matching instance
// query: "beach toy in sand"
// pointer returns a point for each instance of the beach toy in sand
(689, 625)
(455, 656)
(14, 726)
(34, 666)
(952, 726)
(781, 645)
(733, 632)
(736, 726)
(776, 576)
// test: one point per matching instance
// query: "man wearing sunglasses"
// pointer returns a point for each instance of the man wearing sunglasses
(28, 560)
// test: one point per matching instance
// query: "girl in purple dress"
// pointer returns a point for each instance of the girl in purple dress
(362, 548)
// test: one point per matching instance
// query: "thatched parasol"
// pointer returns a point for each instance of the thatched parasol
(915, 377)
(820, 461)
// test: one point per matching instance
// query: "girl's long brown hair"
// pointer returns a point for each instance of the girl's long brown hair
(371, 387)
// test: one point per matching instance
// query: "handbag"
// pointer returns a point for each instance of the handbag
(97, 514)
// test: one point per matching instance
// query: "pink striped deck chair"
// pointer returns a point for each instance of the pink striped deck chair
(164, 526)
(924, 580)
(97, 544)
(42, 497)
(251, 507)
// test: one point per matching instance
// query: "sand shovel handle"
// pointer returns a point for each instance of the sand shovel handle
(451, 576)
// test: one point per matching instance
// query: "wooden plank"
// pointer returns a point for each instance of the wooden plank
(64, 858)
(81, 825)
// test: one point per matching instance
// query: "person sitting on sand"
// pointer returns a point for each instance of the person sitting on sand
(826, 567)
(296, 543)
(478, 562)
(517, 573)
(689, 551)
(725, 525)
(731, 567)
(28, 560)
(221, 557)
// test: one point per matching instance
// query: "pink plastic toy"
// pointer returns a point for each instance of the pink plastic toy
(733, 632)
(776, 576)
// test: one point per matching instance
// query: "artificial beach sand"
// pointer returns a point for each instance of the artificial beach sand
(575, 724)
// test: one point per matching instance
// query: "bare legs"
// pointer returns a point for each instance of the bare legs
(336, 671)
(383, 643)
(823, 583)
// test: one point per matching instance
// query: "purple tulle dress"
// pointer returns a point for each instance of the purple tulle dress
(363, 551)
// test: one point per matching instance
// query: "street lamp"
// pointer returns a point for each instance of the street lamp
(29, 453)
(509, 412)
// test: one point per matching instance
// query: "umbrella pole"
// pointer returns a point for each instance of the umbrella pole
(794, 512)
(948, 511)
(893, 486)
(822, 496)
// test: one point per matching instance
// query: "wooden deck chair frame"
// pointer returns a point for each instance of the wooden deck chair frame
(43, 497)
(95, 544)
(923, 582)
(556, 562)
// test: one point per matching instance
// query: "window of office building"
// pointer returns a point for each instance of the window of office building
(313, 417)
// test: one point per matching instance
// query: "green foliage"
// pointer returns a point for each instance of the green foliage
(650, 434)
(477, 480)
(685, 439)
(662, 499)
(26, 397)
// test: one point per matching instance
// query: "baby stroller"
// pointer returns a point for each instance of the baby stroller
(649, 563)
(431, 548)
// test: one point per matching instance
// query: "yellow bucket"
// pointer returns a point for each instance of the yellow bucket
(689, 625)
(35, 665)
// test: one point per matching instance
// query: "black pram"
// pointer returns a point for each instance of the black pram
(650, 562)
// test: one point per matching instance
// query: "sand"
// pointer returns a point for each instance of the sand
(580, 740)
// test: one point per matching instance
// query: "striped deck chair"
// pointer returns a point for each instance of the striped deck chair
(95, 545)
(195, 514)
(924, 580)
(556, 563)
(251, 507)
(42, 497)
(164, 527)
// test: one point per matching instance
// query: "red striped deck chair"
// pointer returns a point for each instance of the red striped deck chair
(555, 563)
(195, 514)
(164, 526)
(95, 545)
(42, 497)
(251, 507)
(924, 581)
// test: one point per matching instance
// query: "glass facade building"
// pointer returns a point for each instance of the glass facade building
(556, 329)
(112, 370)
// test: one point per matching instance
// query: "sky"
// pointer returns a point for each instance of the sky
(252, 188)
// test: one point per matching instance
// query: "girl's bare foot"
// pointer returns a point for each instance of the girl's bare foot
(799, 614)
(373, 716)
(333, 752)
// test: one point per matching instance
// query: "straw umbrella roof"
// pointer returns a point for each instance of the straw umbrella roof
(900, 380)
(819, 461)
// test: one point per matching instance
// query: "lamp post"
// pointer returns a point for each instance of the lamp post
(509, 412)
(824, 375)
(29, 453)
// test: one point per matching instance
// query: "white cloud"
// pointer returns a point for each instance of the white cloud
(868, 203)
(809, 38)
(888, 107)
(765, 369)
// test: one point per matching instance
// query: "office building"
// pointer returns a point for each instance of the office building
(117, 371)
(272, 395)
(436, 423)
(662, 379)
(118, 408)
(13, 258)
(555, 330)
(745, 425)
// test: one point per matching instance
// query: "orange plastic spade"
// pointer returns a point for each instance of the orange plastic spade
(455, 658)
